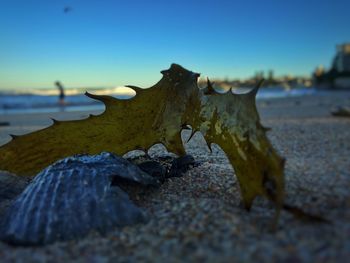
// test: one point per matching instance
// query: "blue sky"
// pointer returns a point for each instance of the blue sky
(109, 43)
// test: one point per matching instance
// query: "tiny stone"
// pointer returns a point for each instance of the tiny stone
(180, 165)
(153, 168)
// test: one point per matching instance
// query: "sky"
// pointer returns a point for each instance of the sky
(111, 43)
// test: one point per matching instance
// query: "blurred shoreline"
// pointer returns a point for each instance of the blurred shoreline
(75, 100)
(292, 104)
(41, 100)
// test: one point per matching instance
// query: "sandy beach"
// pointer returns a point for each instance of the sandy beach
(198, 217)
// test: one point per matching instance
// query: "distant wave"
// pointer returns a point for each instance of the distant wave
(47, 100)
(276, 92)
(36, 100)
(68, 91)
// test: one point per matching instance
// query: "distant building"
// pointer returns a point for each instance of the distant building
(341, 61)
(319, 71)
(339, 75)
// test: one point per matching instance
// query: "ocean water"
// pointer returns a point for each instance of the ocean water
(36, 101)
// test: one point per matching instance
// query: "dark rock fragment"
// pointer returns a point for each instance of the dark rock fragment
(180, 165)
(341, 112)
(153, 168)
(4, 123)
(10, 187)
(162, 167)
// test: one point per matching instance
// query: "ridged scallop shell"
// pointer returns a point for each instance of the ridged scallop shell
(72, 197)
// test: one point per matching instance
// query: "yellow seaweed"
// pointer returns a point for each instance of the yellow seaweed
(157, 115)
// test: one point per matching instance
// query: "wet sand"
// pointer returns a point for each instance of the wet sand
(198, 217)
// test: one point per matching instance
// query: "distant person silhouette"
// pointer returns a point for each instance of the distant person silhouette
(61, 96)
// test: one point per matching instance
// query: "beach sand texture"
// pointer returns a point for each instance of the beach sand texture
(198, 217)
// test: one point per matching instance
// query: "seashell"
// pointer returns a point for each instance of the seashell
(72, 197)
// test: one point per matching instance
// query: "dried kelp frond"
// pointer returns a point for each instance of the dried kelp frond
(157, 115)
(153, 116)
(232, 121)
